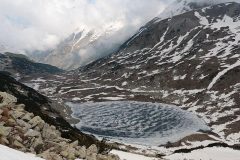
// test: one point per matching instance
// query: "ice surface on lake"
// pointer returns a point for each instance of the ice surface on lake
(136, 122)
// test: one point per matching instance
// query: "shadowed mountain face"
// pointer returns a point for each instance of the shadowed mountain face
(18, 65)
(191, 60)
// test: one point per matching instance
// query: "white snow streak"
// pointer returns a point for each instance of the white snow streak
(220, 74)
(203, 20)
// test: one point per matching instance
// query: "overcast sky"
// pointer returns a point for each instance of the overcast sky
(41, 24)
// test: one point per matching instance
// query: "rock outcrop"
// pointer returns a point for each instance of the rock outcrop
(26, 132)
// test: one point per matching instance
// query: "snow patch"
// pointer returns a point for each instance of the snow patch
(215, 153)
(130, 156)
(11, 154)
(222, 73)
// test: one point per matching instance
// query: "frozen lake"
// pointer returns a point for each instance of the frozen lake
(136, 122)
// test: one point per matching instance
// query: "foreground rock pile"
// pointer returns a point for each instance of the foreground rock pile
(22, 130)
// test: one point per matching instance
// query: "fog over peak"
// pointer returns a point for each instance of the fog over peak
(41, 24)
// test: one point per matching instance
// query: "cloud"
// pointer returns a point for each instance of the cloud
(41, 24)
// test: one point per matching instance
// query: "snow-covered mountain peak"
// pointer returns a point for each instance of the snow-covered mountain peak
(182, 6)
(83, 45)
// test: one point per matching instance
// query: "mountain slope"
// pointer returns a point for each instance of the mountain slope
(18, 64)
(191, 60)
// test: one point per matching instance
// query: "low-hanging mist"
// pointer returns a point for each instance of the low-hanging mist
(41, 25)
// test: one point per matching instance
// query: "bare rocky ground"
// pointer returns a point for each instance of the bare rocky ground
(26, 132)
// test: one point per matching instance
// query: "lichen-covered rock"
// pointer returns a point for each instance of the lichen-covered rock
(91, 153)
(74, 144)
(91, 156)
(27, 117)
(37, 121)
(50, 155)
(18, 138)
(5, 131)
(50, 133)
(37, 143)
(18, 144)
(11, 122)
(7, 99)
(5, 112)
(81, 152)
(3, 140)
(18, 114)
(20, 107)
(71, 154)
(64, 153)
(32, 133)
(92, 149)
(19, 129)
(23, 124)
